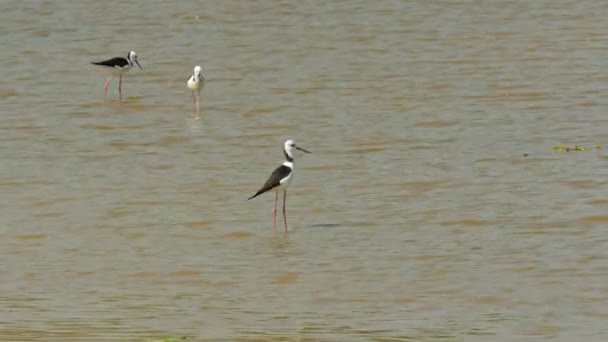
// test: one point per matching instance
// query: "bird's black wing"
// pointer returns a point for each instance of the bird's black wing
(274, 180)
(113, 62)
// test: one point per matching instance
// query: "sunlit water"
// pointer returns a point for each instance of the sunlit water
(433, 207)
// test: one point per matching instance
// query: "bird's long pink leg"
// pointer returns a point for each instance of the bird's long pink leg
(193, 104)
(198, 103)
(284, 216)
(120, 86)
(274, 212)
(105, 87)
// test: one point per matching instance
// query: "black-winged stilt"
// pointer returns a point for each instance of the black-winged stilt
(196, 82)
(118, 66)
(280, 179)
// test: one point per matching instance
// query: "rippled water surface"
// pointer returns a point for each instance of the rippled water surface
(433, 208)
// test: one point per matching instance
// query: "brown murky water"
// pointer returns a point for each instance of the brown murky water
(417, 218)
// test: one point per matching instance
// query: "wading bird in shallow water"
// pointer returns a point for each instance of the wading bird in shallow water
(280, 179)
(118, 66)
(196, 82)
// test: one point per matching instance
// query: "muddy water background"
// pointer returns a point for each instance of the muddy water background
(416, 218)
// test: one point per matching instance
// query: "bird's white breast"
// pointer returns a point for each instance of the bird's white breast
(194, 83)
(287, 180)
(117, 71)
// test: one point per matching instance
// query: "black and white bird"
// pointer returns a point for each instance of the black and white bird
(196, 82)
(280, 179)
(118, 66)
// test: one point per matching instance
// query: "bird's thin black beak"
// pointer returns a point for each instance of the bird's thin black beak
(301, 149)
(136, 62)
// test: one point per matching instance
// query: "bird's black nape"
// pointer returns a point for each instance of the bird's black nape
(287, 157)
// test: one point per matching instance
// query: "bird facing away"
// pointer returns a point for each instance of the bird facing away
(196, 82)
(280, 179)
(118, 66)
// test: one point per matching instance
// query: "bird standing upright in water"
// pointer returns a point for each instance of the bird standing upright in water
(118, 66)
(196, 82)
(280, 179)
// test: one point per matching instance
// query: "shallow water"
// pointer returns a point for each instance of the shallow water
(417, 217)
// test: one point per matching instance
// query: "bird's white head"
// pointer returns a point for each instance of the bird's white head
(133, 58)
(289, 148)
(198, 70)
